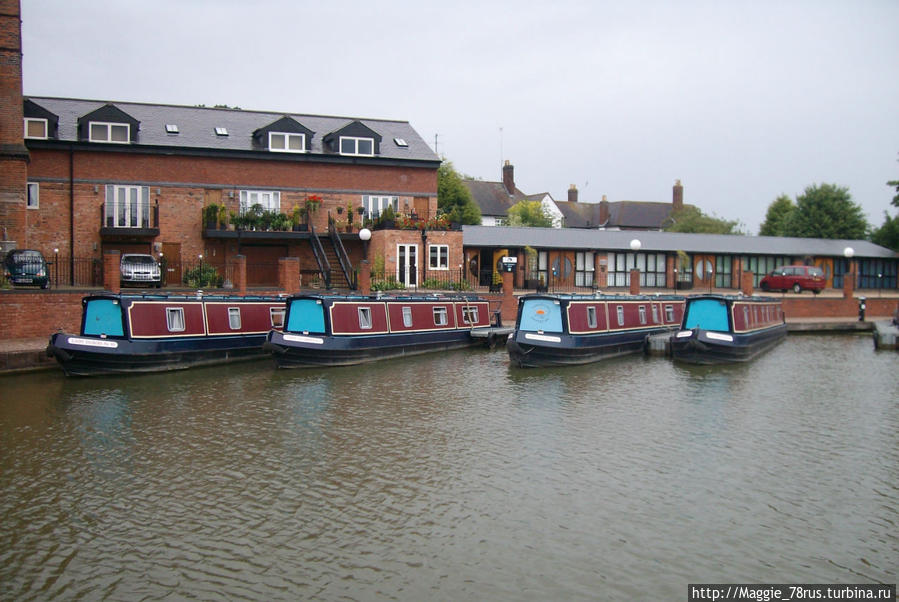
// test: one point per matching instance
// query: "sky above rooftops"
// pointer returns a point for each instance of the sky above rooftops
(742, 101)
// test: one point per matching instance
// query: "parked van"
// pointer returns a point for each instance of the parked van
(797, 278)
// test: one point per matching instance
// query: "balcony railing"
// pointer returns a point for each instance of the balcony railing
(132, 219)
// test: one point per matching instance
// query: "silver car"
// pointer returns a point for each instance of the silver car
(141, 270)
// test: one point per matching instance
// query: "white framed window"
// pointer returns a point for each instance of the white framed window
(642, 310)
(440, 316)
(469, 315)
(127, 206)
(619, 310)
(36, 129)
(350, 145)
(117, 133)
(282, 142)
(33, 191)
(277, 316)
(375, 205)
(584, 266)
(221, 131)
(439, 257)
(234, 318)
(655, 314)
(407, 316)
(172, 128)
(365, 318)
(270, 200)
(174, 318)
(669, 313)
(591, 316)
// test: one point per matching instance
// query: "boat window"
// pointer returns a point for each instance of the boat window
(669, 313)
(642, 314)
(469, 315)
(277, 316)
(365, 318)
(103, 317)
(407, 316)
(440, 316)
(755, 315)
(655, 314)
(620, 311)
(591, 316)
(234, 318)
(745, 317)
(174, 317)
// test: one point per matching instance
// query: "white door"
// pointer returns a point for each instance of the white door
(407, 264)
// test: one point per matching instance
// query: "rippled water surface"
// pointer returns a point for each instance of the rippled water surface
(453, 476)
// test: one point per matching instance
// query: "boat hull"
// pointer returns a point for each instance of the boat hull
(80, 355)
(307, 351)
(530, 350)
(703, 347)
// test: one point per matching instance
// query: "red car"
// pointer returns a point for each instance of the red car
(796, 277)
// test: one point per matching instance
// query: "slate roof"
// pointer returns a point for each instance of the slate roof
(197, 125)
(619, 240)
(492, 197)
(637, 215)
(579, 215)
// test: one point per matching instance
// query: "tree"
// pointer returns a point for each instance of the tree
(453, 197)
(529, 213)
(691, 219)
(888, 234)
(779, 212)
(827, 211)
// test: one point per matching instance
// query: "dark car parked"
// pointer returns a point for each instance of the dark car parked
(26, 267)
(797, 278)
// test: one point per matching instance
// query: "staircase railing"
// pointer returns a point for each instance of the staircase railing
(320, 258)
(342, 257)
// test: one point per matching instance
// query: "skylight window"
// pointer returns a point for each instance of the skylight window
(220, 131)
(171, 128)
(401, 142)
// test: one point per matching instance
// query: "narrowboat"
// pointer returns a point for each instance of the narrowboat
(721, 329)
(125, 334)
(339, 330)
(561, 330)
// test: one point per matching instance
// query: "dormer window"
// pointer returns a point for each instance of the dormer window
(284, 142)
(357, 146)
(117, 133)
(36, 129)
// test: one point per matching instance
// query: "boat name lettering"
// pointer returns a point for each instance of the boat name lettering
(301, 339)
(92, 343)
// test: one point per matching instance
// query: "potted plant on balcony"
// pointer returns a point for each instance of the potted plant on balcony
(211, 214)
(298, 218)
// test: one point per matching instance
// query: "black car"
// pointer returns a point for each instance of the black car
(26, 267)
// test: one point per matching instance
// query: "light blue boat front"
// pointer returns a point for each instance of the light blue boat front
(541, 314)
(707, 314)
(306, 315)
(103, 316)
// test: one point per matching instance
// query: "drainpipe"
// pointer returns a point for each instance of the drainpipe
(71, 216)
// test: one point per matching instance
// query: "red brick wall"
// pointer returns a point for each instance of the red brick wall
(29, 314)
(836, 307)
(13, 154)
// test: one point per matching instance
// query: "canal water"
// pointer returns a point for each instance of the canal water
(453, 476)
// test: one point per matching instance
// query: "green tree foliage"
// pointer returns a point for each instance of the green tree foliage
(691, 219)
(779, 212)
(887, 235)
(453, 198)
(827, 211)
(529, 213)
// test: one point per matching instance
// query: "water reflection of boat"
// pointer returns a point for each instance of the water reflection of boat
(123, 334)
(720, 329)
(558, 330)
(336, 330)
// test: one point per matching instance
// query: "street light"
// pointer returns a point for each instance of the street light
(365, 236)
(635, 245)
(848, 252)
(56, 265)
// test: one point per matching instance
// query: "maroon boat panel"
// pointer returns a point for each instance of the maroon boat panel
(166, 319)
(358, 317)
(748, 316)
(240, 318)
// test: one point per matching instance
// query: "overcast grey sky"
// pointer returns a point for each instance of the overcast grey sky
(742, 101)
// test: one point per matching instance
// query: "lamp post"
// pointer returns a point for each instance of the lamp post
(848, 252)
(709, 272)
(365, 236)
(56, 266)
(674, 284)
(635, 246)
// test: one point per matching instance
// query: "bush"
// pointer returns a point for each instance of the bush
(203, 276)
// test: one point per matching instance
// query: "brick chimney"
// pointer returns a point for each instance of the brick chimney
(572, 194)
(677, 202)
(13, 154)
(509, 177)
(603, 211)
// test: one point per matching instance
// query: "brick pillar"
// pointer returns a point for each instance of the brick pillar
(289, 274)
(849, 284)
(635, 282)
(112, 271)
(240, 274)
(746, 283)
(365, 278)
(13, 153)
(509, 309)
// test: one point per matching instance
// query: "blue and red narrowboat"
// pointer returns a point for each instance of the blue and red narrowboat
(721, 329)
(125, 334)
(325, 330)
(562, 330)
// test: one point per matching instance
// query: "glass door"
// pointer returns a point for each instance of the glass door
(407, 265)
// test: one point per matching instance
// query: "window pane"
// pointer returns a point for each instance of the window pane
(347, 146)
(119, 133)
(234, 318)
(296, 142)
(276, 141)
(98, 132)
(366, 146)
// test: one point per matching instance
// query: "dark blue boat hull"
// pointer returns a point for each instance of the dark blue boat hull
(89, 357)
(291, 350)
(533, 350)
(707, 347)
